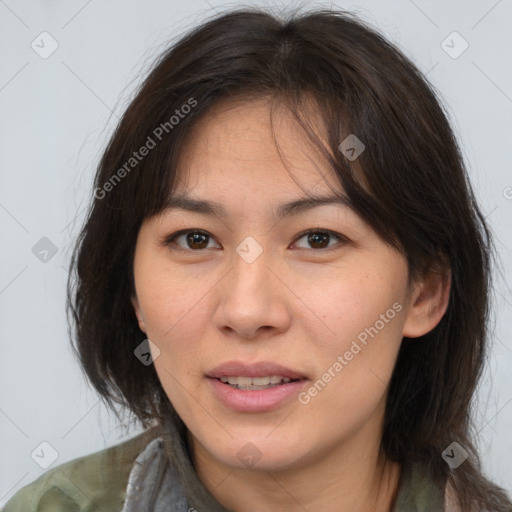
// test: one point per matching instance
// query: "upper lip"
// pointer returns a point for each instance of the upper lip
(259, 369)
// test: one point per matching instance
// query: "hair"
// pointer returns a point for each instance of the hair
(410, 185)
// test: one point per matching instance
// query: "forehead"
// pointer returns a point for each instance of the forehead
(244, 142)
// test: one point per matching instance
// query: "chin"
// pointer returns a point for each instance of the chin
(260, 452)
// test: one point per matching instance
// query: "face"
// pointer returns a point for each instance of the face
(307, 293)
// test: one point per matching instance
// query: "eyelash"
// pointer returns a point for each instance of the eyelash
(169, 240)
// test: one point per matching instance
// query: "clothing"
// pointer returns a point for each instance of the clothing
(153, 472)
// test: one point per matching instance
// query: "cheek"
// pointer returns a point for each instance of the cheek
(168, 299)
(350, 302)
(363, 317)
(173, 313)
(177, 310)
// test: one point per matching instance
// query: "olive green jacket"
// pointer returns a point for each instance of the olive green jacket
(100, 482)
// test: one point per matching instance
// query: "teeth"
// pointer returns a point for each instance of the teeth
(255, 382)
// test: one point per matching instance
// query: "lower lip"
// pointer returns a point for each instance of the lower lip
(255, 400)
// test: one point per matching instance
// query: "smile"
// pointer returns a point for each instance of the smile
(255, 383)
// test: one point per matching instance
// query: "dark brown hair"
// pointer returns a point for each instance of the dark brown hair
(410, 185)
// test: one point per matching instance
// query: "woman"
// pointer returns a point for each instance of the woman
(284, 275)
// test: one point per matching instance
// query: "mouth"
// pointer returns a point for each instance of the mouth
(263, 373)
(246, 397)
(256, 383)
(255, 387)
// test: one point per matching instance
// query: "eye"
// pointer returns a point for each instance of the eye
(197, 240)
(193, 239)
(321, 238)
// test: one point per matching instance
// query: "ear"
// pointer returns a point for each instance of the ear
(428, 303)
(138, 314)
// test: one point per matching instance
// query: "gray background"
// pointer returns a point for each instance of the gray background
(55, 116)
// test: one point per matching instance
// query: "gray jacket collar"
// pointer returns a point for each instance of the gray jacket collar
(163, 476)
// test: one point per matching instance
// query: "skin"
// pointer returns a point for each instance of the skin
(297, 304)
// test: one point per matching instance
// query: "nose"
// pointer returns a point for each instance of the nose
(254, 300)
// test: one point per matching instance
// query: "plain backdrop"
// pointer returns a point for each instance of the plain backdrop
(56, 113)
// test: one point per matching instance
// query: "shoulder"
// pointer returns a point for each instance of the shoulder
(98, 479)
(420, 492)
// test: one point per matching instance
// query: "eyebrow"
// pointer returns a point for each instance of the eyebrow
(295, 207)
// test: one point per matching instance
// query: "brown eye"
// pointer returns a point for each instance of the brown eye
(197, 240)
(321, 239)
(190, 240)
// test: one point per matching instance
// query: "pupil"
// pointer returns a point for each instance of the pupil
(194, 239)
(316, 239)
